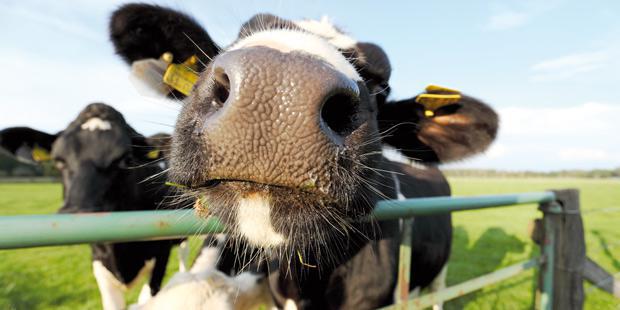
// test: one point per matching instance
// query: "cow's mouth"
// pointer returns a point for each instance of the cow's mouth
(280, 219)
(217, 194)
(214, 183)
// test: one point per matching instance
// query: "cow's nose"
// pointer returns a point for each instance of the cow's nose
(282, 87)
(272, 116)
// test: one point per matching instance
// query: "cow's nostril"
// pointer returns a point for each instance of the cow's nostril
(222, 86)
(339, 113)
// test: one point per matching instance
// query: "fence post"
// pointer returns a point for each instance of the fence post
(404, 263)
(563, 249)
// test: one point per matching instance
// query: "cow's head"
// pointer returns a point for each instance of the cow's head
(97, 155)
(282, 134)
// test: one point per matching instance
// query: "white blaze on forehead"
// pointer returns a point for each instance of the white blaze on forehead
(325, 29)
(286, 40)
(255, 223)
(95, 123)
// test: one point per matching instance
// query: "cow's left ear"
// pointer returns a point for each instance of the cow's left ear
(27, 144)
(440, 125)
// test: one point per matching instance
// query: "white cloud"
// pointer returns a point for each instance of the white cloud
(569, 66)
(515, 14)
(582, 136)
(497, 150)
(588, 119)
(581, 154)
(48, 94)
(507, 20)
(63, 25)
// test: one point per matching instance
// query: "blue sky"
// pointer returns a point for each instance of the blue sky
(551, 68)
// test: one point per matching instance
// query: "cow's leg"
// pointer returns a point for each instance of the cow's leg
(110, 288)
(439, 283)
(159, 271)
(183, 255)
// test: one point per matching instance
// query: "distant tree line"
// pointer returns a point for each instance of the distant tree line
(595, 174)
(9, 167)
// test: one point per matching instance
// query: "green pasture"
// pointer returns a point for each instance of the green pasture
(485, 240)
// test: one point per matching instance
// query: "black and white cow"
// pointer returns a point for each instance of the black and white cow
(106, 166)
(282, 139)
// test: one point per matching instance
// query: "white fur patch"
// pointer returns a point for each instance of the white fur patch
(394, 155)
(211, 289)
(183, 255)
(255, 223)
(438, 284)
(399, 194)
(95, 123)
(145, 294)
(289, 304)
(207, 259)
(110, 288)
(287, 40)
(325, 29)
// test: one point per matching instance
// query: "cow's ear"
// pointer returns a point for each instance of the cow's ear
(150, 38)
(440, 125)
(139, 31)
(27, 144)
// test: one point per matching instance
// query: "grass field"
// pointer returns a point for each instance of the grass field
(60, 277)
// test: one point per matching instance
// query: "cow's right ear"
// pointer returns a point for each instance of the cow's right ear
(150, 38)
(140, 31)
(27, 144)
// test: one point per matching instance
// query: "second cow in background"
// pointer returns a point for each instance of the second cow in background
(106, 166)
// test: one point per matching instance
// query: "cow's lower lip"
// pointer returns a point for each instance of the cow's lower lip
(210, 184)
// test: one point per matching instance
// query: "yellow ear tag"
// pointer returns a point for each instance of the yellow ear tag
(182, 77)
(440, 89)
(435, 101)
(167, 57)
(429, 113)
(40, 154)
(154, 154)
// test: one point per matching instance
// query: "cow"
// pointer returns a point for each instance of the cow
(206, 287)
(106, 166)
(281, 136)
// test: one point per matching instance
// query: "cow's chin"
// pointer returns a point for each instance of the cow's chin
(278, 221)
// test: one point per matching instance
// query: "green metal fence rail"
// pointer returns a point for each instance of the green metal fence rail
(24, 231)
(560, 235)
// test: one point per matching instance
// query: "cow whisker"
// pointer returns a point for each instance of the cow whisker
(199, 48)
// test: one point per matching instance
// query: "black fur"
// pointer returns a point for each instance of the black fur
(106, 171)
(22, 140)
(141, 31)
